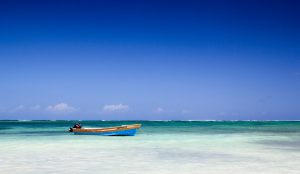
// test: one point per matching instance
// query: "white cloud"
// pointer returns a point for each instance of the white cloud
(158, 110)
(61, 108)
(115, 107)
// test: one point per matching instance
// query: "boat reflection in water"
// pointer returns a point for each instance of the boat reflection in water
(124, 130)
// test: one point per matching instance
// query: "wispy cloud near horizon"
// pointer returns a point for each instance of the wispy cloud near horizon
(185, 111)
(20, 108)
(115, 107)
(158, 110)
(35, 108)
(61, 108)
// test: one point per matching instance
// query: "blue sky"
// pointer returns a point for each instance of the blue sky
(188, 60)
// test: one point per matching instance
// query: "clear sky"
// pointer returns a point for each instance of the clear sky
(188, 60)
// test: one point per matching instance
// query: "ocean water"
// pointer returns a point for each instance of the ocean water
(164, 147)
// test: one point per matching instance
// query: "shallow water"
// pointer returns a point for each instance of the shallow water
(173, 147)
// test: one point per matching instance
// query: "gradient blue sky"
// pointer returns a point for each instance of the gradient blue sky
(150, 59)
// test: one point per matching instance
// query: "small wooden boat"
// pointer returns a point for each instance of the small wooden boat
(124, 130)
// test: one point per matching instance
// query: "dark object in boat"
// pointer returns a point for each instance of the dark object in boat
(76, 126)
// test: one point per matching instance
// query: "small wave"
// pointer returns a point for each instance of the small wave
(160, 120)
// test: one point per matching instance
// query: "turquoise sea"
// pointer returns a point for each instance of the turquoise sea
(165, 147)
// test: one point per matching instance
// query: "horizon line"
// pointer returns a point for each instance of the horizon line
(24, 120)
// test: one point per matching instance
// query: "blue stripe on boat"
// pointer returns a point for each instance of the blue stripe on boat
(130, 132)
